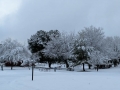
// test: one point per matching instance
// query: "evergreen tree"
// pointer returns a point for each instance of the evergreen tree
(81, 53)
(38, 41)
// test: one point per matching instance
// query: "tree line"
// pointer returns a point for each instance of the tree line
(89, 46)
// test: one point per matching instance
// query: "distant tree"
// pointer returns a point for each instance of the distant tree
(38, 41)
(117, 46)
(89, 38)
(112, 48)
(12, 51)
(81, 53)
(97, 58)
(60, 48)
(93, 37)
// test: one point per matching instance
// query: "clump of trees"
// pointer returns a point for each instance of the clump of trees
(89, 46)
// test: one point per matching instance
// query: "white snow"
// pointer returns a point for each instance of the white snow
(20, 79)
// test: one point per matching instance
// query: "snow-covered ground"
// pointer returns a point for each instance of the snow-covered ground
(20, 79)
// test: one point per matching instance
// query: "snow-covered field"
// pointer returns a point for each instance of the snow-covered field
(20, 79)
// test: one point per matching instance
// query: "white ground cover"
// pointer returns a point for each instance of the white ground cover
(20, 79)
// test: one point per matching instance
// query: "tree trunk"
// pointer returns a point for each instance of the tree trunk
(89, 66)
(49, 64)
(97, 67)
(11, 65)
(67, 65)
(2, 67)
(83, 67)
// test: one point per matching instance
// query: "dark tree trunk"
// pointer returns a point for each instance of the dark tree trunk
(49, 64)
(83, 67)
(67, 65)
(11, 65)
(89, 66)
(97, 67)
(2, 67)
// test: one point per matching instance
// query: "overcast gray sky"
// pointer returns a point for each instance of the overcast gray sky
(19, 19)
